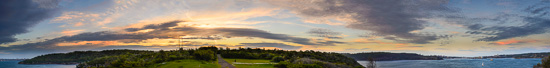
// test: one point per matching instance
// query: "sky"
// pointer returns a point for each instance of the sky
(30, 28)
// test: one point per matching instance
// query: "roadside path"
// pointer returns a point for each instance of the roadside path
(224, 63)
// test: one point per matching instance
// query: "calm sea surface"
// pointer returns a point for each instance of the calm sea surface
(13, 64)
(459, 63)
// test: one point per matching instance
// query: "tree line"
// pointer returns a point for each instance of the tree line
(124, 58)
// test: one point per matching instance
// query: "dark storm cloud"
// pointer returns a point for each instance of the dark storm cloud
(325, 33)
(278, 45)
(536, 22)
(16, 16)
(386, 17)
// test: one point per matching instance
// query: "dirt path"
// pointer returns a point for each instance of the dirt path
(224, 63)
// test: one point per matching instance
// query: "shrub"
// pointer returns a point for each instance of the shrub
(206, 55)
(278, 59)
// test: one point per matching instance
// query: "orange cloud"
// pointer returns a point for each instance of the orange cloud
(78, 24)
(513, 41)
(70, 32)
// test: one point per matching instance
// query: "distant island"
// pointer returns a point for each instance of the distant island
(387, 56)
(519, 56)
(203, 56)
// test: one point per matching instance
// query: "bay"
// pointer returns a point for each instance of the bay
(13, 64)
(459, 63)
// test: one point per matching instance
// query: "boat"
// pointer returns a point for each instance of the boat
(482, 64)
(491, 59)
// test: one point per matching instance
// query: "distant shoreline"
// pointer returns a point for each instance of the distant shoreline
(51, 63)
(461, 58)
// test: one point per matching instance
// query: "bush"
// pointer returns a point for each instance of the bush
(278, 59)
(206, 55)
(282, 64)
(305, 66)
(544, 64)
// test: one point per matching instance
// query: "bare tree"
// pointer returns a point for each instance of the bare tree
(372, 63)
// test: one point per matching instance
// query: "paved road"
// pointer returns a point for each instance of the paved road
(224, 63)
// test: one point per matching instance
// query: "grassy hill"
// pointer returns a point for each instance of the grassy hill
(186, 63)
(77, 56)
(205, 57)
(232, 61)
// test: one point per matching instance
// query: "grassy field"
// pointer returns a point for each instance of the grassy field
(250, 61)
(187, 63)
(254, 65)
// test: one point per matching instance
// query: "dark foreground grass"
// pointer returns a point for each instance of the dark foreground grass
(250, 61)
(187, 63)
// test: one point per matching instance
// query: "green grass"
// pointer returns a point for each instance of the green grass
(247, 60)
(250, 61)
(187, 63)
(254, 65)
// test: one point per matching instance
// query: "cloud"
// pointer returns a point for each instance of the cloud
(224, 31)
(536, 21)
(408, 46)
(162, 29)
(513, 42)
(70, 32)
(169, 30)
(330, 43)
(19, 15)
(162, 26)
(213, 37)
(78, 24)
(362, 40)
(33, 51)
(390, 18)
(540, 9)
(326, 33)
(278, 45)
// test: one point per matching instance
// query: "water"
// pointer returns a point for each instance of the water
(458, 63)
(447, 63)
(13, 64)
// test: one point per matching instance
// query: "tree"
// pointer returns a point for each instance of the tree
(372, 63)
(206, 55)
(544, 64)
(227, 48)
